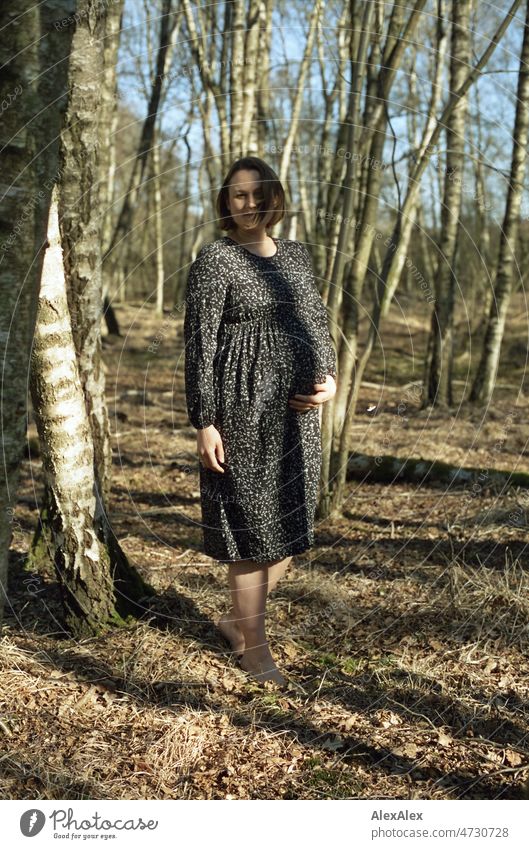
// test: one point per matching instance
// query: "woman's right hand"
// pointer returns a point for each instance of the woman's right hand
(210, 448)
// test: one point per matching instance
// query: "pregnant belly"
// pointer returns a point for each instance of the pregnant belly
(258, 367)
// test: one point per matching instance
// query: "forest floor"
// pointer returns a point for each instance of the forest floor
(403, 632)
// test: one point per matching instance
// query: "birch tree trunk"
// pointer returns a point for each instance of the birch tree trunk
(84, 568)
(68, 386)
(34, 58)
(439, 389)
(250, 73)
(410, 213)
(80, 215)
(485, 379)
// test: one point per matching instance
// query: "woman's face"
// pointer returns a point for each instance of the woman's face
(245, 196)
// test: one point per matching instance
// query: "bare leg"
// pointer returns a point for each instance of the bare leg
(229, 624)
(249, 586)
(276, 571)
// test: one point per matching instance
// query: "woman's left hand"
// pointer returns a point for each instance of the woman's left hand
(324, 392)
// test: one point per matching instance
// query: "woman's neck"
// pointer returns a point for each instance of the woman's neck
(256, 238)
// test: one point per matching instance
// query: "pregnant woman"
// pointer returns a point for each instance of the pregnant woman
(259, 363)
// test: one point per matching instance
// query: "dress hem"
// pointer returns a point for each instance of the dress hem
(264, 558)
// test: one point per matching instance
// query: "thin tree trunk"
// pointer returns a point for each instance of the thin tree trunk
(299, 91)
(482, 230)
(260, 126)
(250, 73)
(158, 228)
(325, 162)
(183, 250)
(439, 389)
(126, 217)
(485, 379)
(236, 34)
(408, 216)
(108, 120)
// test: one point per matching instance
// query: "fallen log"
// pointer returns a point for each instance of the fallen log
(388, 469)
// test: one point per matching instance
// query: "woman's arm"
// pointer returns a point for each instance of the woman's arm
(204, 303)
(316, 316)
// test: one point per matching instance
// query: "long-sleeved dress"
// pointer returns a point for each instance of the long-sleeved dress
(256, 333)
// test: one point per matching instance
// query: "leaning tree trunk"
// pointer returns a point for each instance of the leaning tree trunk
(411, 207)
(347, 353)
(34, 59)
(486, 375)
(399, 242)
(85, 552)
(439, 390)
(349, 291)
(483, 284)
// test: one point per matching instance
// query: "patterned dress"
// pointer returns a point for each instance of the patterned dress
(256, 333)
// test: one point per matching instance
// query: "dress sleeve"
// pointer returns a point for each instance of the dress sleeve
(316, 314)
(204, 304)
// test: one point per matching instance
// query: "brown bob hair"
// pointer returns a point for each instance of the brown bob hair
(273, 192)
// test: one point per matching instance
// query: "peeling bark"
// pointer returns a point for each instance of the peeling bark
(34, 56)
(86, 555)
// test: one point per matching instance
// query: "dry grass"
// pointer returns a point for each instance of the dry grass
(404, 632)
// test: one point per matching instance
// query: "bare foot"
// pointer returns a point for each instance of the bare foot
(260, 664)
(228, 626)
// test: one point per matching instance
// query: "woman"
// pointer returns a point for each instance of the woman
(259, 363)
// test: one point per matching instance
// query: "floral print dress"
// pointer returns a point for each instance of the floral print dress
(256, 333)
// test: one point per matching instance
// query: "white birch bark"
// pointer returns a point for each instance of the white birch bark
(67, 449)
(34, 61)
